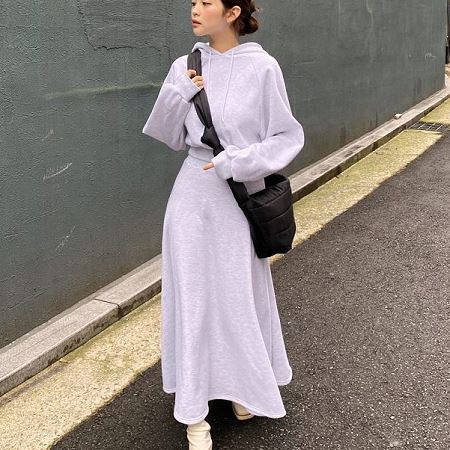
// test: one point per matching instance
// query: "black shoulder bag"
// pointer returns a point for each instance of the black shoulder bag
(269, 212)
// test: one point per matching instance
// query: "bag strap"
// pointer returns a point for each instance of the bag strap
(202, 106)
(210, 137)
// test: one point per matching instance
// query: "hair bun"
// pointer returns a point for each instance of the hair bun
(245, 23)
(250, 24)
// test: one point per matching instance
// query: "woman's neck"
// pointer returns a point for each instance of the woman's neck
(223, 43)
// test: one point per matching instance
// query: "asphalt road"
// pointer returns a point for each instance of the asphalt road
(365, 309)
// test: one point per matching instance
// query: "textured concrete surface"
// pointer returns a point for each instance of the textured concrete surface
(441, 114)
(38, 350)
(318, 208)
(319, 286)
(49, 404)
(42, 346)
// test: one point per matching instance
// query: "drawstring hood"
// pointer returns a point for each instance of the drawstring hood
(228, 84)
(260, 137)
(209, 66)
(225, 62)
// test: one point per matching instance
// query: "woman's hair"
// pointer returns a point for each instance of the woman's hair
(245, 23)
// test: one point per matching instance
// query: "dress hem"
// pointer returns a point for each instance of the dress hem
(233, 398)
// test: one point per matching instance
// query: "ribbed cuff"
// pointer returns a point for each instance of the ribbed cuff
(186, 87)
(222, 164)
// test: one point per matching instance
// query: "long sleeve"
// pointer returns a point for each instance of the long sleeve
(166, 120)
(284, 136)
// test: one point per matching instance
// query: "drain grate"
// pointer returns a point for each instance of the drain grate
(431, 126)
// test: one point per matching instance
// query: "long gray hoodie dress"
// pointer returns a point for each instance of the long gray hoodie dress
(221, 335)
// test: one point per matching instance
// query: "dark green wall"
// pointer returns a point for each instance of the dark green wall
(83, 191)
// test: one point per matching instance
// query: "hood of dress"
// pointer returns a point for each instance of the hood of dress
(226, 59)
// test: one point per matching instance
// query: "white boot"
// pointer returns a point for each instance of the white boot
(240, 412)
(199, 436)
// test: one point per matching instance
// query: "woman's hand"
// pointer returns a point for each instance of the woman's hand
(197, 79)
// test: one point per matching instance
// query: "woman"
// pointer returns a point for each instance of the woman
(221, 335)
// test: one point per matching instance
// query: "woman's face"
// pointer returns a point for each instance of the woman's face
(210, 14)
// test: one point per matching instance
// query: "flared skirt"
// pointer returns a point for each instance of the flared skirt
(221, 335)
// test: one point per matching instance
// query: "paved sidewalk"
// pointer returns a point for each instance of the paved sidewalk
(365, 308)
